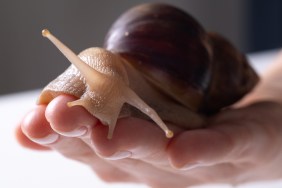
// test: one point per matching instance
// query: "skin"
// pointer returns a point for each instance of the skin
(241, 144)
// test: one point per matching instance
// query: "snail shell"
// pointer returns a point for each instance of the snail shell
(155, 57)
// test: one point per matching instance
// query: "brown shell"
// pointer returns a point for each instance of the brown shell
(200, 70)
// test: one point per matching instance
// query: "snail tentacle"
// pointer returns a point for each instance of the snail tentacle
(133, 99)
(84, 68)
(78, 102)
(112, 123)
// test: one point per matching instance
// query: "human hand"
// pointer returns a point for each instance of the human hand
(238, 145)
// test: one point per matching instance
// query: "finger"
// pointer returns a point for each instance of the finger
(133, 138)
(70, 122)
(37, 130)
(26, 142)
(76, 123)
(129, 137)
(36, 127)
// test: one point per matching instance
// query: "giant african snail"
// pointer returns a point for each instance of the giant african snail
(155, 57)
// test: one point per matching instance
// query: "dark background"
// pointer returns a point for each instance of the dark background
(28, 61)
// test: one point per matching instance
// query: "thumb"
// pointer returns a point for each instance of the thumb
(231, 136)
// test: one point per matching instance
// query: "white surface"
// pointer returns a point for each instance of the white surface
(20, 167)
(260, 61)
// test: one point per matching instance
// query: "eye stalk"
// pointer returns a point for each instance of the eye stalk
(45, 32)
(88, 72)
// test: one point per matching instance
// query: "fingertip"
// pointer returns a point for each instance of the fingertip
(24, 141)
(68, 121)
(36, 128)
(34, 124)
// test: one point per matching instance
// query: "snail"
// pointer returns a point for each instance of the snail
(157, 63)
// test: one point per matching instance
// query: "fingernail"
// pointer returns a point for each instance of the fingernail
(81, 131)
(191, 166)
(49, 139)
(119, 155)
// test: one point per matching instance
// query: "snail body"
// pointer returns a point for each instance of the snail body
(159, 60)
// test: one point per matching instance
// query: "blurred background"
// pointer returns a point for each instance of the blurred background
(28, 61)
